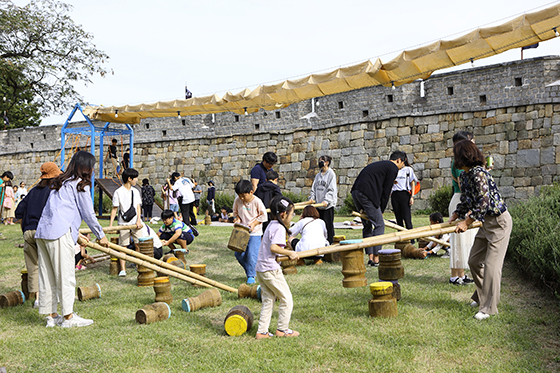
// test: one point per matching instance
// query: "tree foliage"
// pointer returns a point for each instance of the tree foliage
(42, 54)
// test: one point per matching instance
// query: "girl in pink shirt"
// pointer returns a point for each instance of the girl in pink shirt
(269, 273)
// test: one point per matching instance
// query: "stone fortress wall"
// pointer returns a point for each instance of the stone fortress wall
(511, 108)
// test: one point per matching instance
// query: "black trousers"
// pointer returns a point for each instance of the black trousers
(187, 212)
(147, 210)
(401, 207)
(328, 217)
(374, 225)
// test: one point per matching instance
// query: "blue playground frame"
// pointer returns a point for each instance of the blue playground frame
(93, 132)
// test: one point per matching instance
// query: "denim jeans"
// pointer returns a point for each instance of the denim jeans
(248, 259)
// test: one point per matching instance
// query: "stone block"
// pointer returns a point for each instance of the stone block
(445, 163)
(548, 155)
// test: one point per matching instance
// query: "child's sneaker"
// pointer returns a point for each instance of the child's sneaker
(264, 335)
(194, 230)
(122, 273)
(286, 333)
(250, 280)
(54, 321)
(76, 321)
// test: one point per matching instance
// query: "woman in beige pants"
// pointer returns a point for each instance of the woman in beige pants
(481, 200)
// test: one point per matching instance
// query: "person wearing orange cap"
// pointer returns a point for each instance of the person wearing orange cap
(29, 210)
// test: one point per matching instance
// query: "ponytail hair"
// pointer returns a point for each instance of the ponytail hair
(278, 205)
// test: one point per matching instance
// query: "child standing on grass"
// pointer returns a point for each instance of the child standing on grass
(8, 213)
(57, 233)
(250, 211)
(127, 197)
(269, 272)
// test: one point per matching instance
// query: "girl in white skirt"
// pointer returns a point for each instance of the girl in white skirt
(460, 243)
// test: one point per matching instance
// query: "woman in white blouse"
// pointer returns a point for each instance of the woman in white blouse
(313, 232)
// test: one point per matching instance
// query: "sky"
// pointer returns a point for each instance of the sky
(216, 46)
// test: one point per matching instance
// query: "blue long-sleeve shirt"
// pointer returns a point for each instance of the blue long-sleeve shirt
(65, 209)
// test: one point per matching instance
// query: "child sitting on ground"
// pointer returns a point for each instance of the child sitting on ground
(174, 231)
(224, 215)
(432, 248)
(250, 211)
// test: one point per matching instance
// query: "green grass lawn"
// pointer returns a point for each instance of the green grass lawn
(434, 331)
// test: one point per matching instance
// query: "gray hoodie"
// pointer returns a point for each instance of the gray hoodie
(324, 189)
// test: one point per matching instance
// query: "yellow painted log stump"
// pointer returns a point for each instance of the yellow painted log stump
(162, 288)
(382, 304)
(238, 320)
(114, 266)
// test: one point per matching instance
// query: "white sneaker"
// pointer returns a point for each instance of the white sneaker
(36, 304)
(54, 321)
(122, 273)
(481, 316)
(474, 304)
(76, 321)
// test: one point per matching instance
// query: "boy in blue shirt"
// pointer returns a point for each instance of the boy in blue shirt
(174, 231)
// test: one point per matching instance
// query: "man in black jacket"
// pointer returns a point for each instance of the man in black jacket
(267, 191)
(371, 192)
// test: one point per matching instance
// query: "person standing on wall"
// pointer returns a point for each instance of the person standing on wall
(370, 193)
(324, 190)
(112, 156)
(402, 195)
(258, 173)
(186, 200)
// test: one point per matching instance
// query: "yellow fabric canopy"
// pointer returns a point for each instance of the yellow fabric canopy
(408, 66)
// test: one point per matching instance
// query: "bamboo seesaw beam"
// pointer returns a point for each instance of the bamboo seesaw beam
(98, 258)
(437, 229)
(141, 262)
(171, 267)
(159, 266)
(301, 206)
(112, 229)
(399, 228)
